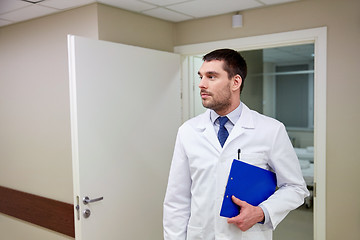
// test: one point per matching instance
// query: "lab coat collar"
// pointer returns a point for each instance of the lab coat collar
(245, 121)
(246, 118)
(205, 125)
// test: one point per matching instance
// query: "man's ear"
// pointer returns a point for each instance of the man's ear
(237, 82)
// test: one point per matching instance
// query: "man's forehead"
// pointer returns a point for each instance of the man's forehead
(211, 66)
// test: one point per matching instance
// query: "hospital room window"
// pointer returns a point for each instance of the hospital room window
(286, 80)
(280, 84)
(294, 96)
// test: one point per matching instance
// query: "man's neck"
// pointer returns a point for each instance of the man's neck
(228, 110)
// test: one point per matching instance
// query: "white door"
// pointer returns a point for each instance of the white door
(125, 111)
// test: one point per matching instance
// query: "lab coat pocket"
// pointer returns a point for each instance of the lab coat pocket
(194, 233)
(258, 232)
(256, 159)
(258, 235)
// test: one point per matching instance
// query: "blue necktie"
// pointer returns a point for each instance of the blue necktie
(223, 133)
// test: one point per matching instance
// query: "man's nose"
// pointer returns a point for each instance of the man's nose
(202, 83)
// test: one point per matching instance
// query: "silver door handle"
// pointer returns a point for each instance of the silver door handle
(87, 200)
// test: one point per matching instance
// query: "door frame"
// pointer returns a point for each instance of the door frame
(317, 36)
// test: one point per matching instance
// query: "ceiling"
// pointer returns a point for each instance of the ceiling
(13, 11)
(289, 54)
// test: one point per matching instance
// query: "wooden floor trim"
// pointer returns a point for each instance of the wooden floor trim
(55, 215)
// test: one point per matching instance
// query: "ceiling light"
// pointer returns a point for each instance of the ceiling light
(237, 20)
(33, 1)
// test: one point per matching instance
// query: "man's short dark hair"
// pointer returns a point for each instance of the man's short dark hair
(234, 63)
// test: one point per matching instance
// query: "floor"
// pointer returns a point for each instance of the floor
(298, 225)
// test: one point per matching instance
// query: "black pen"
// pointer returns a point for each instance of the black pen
(239, 151)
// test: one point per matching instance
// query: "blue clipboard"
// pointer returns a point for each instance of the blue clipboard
(248, 183)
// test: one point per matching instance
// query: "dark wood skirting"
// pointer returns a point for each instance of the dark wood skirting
(55, 215)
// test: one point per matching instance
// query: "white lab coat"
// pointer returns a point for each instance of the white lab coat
(200, 168)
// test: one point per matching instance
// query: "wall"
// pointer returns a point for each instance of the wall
(35, 141)
(343, 131)
(34, 96)
(126, 27)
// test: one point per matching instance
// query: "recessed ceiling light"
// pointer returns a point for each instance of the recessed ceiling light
(33, 1)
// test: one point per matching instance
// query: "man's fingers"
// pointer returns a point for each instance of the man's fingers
(231, 220)
(238, 201)
(239, 222)
(234, 220)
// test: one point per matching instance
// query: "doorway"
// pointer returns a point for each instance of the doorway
(316, 88)
(280, 84)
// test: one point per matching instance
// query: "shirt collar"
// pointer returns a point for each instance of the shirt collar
(233, 116)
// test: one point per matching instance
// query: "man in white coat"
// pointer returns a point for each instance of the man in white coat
(202, 160)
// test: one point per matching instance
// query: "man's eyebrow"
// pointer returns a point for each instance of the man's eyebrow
(210, 73)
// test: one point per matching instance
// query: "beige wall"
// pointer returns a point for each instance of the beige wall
(343, 114)
(126, 27)
(35, 128)
(35, 141)
(35, 144)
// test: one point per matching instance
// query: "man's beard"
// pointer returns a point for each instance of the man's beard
(217, 104)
